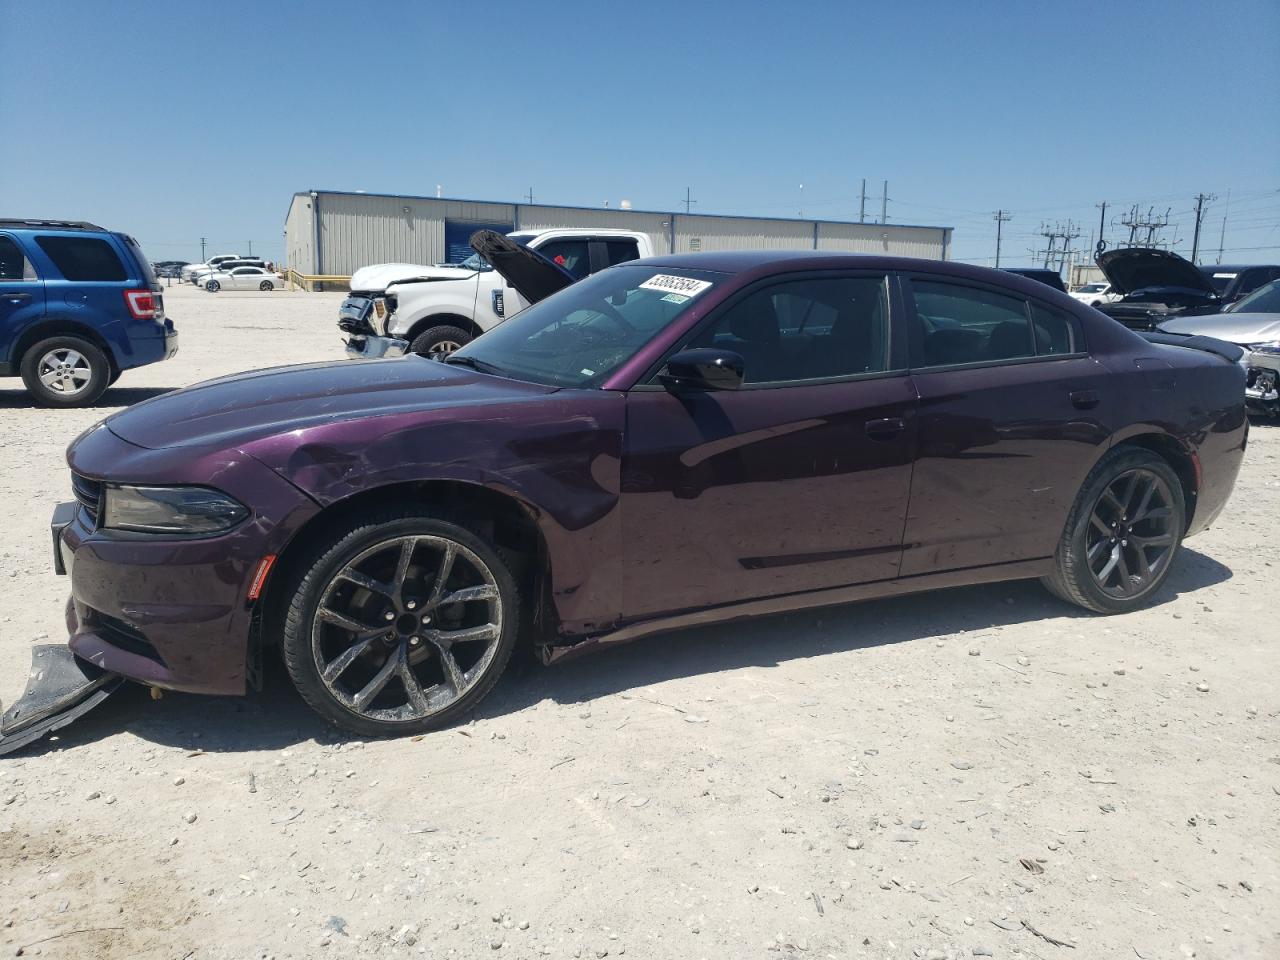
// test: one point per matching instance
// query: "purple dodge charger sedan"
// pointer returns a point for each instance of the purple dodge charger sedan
(670, 442)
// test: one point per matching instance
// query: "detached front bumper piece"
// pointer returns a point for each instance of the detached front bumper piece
(370, 347)
(61, 688)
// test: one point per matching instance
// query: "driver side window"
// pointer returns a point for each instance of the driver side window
(808, 329)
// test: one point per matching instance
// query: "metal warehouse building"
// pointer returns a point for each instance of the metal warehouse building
(330, 233)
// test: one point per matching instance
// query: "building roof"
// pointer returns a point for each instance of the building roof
(659, 213)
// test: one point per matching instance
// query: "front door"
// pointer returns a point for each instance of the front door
(1009, 425)
(799, 480)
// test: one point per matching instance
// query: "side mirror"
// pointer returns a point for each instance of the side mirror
(704, 368)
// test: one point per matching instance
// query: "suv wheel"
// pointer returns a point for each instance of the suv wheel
(65, 372)
(440, 341)
(401, 622)
(1123, 533)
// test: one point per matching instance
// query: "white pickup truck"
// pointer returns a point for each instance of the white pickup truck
(397, 308)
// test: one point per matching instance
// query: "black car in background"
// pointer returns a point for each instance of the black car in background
(1156, 285)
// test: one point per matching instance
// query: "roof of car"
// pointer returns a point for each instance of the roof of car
(1231, 267)
(16, 224)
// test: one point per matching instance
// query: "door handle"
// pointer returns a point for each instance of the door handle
(1084, 399)
(885, 429)
(15, 297)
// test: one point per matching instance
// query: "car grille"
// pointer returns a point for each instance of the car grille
(89, 495)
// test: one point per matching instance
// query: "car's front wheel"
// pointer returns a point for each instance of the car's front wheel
(1123, 533)
(401, 622)
(439, 341)
(213, 286)
(65, 372)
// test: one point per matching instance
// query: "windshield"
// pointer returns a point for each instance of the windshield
(1266, 299)
(1092, 288)
(1219, 280)
(577, 337)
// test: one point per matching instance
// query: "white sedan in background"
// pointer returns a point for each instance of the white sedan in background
(1095, 293)
(240, 278)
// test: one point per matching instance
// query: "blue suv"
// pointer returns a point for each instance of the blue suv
(78, 306)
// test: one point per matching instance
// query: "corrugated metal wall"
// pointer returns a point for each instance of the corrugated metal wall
(357, 229)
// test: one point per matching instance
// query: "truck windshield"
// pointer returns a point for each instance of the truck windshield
(577, 337)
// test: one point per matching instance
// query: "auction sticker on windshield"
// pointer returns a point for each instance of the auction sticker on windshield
(684, 286)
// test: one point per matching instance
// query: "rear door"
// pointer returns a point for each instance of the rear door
(1010, 402)
(86, 277)
(21, 296)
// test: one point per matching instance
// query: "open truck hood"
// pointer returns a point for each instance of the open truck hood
(533, 275)
(1141, 268)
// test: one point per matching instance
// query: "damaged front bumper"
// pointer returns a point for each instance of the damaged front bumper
(1262, 386)
(60, 689)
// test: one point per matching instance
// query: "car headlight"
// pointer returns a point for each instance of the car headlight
(1271, 346)
(175, 510)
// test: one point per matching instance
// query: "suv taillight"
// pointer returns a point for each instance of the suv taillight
(144, 304)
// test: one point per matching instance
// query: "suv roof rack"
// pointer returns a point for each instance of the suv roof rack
(51, 224)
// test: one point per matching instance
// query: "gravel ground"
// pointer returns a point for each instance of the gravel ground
(976, 772)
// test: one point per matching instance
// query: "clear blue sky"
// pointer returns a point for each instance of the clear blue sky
(179, 120)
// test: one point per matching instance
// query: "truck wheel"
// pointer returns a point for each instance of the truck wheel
(1123, 533)
(65, 372)
(439, 341)
(401, 622)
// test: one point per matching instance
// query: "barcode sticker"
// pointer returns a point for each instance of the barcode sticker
(682, 285)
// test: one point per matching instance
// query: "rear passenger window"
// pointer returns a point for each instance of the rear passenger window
(620, 251)
(806, 330)
(1056, 331)
(83, 258)
(960, 324)
(13, 265)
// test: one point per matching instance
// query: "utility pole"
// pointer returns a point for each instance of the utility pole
(1148, 222)
(884, 203)
(1001, 218)
(529, 196)
(1102, 230)
(688, 199)
(1222, 237)
(203, 259)
(1201, 200)
(1055, 256)
(251, 248)
(862, 207)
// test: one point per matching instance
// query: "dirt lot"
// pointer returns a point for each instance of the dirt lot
(978, 772)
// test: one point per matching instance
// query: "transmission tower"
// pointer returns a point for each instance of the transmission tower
(1057, 249)
(1144, 228)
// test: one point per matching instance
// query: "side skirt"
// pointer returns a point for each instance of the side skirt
(876, 590)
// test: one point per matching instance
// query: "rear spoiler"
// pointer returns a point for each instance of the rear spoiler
(1227, 351)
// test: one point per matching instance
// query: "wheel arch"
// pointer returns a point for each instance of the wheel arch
(443, 320)
(57, 327)
(509, 522)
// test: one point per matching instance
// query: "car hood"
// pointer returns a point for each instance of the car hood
(377, 278)
(236, 410)
(1241, 328)
(1140, 268)
(533, 275)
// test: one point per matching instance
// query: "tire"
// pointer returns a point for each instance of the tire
(213, 286)
(439, 341)
(65, 372)
(266, 285)
(353, 574)
(1099, 560)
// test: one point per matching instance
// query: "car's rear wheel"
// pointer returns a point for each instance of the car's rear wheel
(266, 285)
(440, 341)
(213, 286)
(65, 372)
(401, 622)
(1122, 536)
